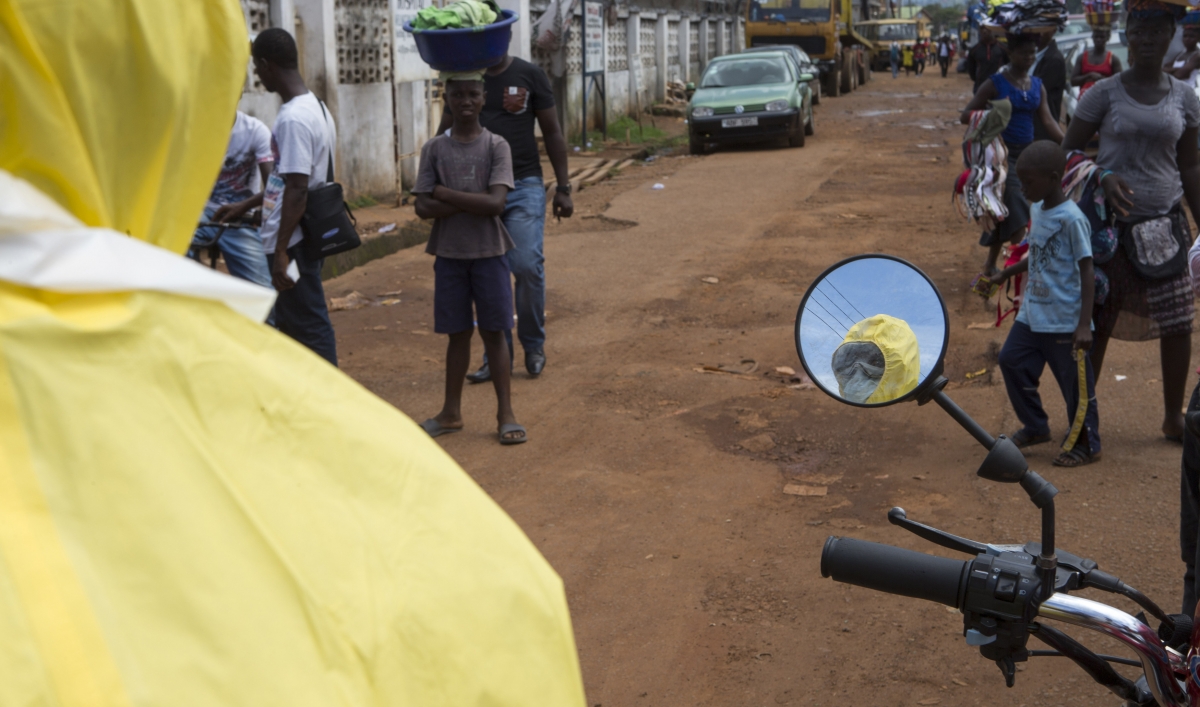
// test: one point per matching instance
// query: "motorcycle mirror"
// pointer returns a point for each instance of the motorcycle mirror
(872, 331)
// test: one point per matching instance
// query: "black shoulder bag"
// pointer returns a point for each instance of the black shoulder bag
(1157, 247)
(327, 224)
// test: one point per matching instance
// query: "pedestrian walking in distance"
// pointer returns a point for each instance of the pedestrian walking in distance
(944, 51)
(895, 59)
(462, 183)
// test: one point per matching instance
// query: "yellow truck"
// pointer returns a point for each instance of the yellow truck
(824, 29)
(882, 33)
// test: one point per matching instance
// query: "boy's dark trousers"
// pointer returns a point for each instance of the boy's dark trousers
(1189, 509)
(1024, 356)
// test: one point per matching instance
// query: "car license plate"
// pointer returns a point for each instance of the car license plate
(739, 122)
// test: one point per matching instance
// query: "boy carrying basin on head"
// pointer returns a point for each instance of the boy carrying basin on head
(1053, 326)
(462, 182)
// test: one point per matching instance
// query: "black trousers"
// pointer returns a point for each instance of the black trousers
(1189, 510)
(944, 61)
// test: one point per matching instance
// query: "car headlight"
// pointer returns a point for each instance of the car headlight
(777, 105)
(701, 112)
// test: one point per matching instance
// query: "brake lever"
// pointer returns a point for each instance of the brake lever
(897, 516)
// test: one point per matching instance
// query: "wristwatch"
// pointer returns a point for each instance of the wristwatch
(563, 189)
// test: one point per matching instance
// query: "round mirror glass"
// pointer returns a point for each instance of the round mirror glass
(871, 330)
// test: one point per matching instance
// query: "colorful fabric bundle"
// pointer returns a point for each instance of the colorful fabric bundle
(1029, 16)
(1100, 14)
(1154, 9)
(979, 191)
(1080, 168)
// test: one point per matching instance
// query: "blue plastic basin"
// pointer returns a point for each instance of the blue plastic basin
(467, 49)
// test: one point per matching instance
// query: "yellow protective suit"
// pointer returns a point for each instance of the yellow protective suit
(194, 509)
(901, 355)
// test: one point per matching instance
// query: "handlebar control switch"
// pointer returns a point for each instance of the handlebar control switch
(1006, 586)
(1001, 601)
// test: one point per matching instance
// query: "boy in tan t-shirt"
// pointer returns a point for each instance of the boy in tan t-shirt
(462, 184)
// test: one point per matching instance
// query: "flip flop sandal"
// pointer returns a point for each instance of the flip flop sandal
(1023, 439)
(1177, 439)
(435, 429)
(1076, 457)
(509, 428)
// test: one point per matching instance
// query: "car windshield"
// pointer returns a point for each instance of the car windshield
(746, 72)
(789, 10)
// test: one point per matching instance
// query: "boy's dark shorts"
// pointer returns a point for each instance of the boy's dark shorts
(484, 282)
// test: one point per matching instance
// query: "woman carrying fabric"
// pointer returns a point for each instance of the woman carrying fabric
(1028, 98)
(1148, 123)
(1099, 63)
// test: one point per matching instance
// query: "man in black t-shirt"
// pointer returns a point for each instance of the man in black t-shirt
(985, 58)
(518, 95)
(1051, 68)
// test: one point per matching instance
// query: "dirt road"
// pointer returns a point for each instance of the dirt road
(656, 490)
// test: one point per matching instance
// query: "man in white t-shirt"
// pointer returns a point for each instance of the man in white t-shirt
(248, 162)
(302, 143)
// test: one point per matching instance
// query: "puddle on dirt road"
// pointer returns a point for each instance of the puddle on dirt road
(874, 113)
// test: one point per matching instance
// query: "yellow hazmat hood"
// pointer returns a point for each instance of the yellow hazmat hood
(194, 509)
(901, 355)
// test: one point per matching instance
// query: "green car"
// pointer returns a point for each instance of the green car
(750, 98)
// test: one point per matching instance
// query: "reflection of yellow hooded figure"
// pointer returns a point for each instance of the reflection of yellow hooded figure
(878, 361)
(195, 509)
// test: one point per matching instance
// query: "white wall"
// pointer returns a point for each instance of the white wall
(383, 123)
(366, 138)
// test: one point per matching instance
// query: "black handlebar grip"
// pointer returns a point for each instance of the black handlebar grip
(895, 570)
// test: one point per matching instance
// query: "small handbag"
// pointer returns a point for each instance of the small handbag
(328, 224)
(1157, 247)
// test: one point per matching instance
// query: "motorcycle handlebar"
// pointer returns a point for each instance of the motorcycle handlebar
(895, 570)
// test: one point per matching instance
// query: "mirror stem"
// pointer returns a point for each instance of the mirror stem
(1047, 561)
(981, 435)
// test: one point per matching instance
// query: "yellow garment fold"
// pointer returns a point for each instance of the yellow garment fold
(194, 509)
(246, 526)
(120, 110)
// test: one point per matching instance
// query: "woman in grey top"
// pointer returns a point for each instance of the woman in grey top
(1148, 124)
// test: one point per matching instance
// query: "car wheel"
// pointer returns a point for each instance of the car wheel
(696, 146)
(796, 139)
(810, 126)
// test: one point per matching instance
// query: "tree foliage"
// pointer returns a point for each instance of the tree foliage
(945, 18)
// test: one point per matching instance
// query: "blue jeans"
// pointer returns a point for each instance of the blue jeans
(1022, 360)
(241, 247)
(895, 68)
(525, 219)
(301, 312)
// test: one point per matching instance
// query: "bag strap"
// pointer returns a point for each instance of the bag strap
(329, 171)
